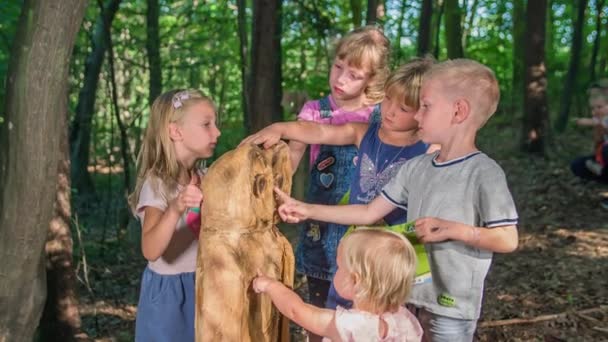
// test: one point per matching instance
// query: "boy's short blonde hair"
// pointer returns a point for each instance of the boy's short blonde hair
(385, 263)
(405, 82)
(472, 81)
(367, 47)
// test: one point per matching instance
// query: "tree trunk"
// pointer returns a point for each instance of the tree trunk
(536, 116)
(80, 133)
(153, 49)
(575, 53)
(244, 40)
(519, 30)
(424, 30)
(60, 319)
(599, 5)
(29, 151)
(265, 82)
(453, 30)
(356, 8)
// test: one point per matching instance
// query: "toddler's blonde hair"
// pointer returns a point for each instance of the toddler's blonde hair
(157, 155)
(472, 81)
(404, 83)
(385, 263)
(367, 47)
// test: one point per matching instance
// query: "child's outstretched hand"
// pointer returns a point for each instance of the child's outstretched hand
(260, 283)
(190, 197)
(291, 210)
(431, 229)
(268, 136)
(586, 121)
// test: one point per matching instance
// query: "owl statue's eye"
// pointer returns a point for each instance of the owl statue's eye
(259, 185)
(279, 181)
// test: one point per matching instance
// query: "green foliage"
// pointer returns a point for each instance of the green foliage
(9, 17)
(200, 49)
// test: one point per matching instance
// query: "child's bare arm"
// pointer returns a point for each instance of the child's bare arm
(308, 132)
(314, 319)
(157, 230)
(502, 239)
(296, 152)
(586, 122)
(159, 226)
(294, 211)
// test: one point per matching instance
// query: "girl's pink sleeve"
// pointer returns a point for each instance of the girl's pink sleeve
(309, 111)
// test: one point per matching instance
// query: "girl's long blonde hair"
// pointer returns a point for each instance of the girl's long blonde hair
(384, 262)
(157, 157)
(367, 47)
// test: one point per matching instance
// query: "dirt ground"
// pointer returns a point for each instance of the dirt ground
(553, 288)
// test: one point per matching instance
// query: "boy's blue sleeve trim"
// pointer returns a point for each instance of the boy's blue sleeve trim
(505, 222)
(395, 203)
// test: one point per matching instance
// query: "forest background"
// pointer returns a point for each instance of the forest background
(70, 248)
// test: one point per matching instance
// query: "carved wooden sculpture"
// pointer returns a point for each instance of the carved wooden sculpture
(239, 237)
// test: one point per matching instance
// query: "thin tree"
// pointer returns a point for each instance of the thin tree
(372, 12)
(153, 49)
(469, 17)
(536, 115)
(265, 81)
(397, 47)
(599, 5)
(453, 30)
(603, 57)
(575, 53)
(357, 9)
(437, 27)
(80, 132)
(35, 114)
(518, 32)
(549, 33)
(243, 52)
(424, 28)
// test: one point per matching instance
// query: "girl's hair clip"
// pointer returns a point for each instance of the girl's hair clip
(179, 97)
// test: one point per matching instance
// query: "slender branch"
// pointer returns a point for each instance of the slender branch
(542, 318)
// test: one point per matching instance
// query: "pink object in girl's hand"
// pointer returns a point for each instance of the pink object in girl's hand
(193, 220)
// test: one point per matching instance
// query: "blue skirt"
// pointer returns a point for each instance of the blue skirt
(165, 312)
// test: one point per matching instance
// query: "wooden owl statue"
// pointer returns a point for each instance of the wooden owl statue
(238, 237)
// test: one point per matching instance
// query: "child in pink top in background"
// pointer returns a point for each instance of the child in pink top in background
(376, 271)
(356, 80)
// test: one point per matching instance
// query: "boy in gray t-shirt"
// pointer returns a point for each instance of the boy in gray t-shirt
(458, 197)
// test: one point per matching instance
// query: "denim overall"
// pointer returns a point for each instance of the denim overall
(330, 178)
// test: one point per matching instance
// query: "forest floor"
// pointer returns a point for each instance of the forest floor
(553, 288)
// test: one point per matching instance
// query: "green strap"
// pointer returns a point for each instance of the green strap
(406, 229)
